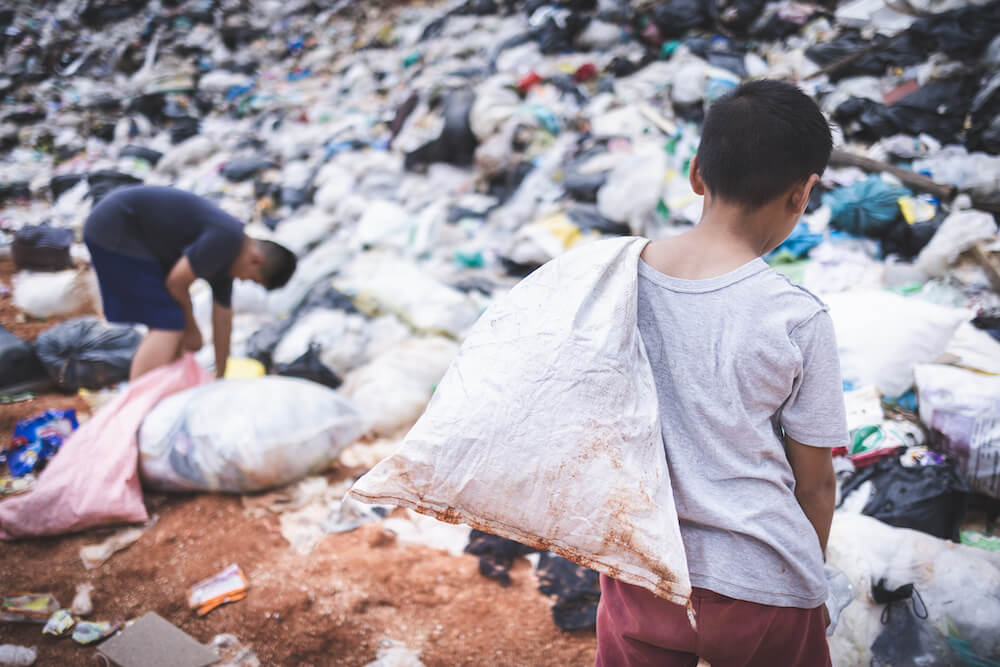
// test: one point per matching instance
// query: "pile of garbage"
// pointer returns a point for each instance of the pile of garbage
(420, 160)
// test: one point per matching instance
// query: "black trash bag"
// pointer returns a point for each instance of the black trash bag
(588, 218)
(584, 187)
(931, 499)
(496, 555)
(309, 367)
(184, 128)
(729, 57)
(325, 295)
(243, 168)
(457, 144)
(962, 34)
(901, 51)
(907, 637)
(577, 591)
(984, 121)
(736, 15)
(18, 362)
(42, 248)
(906, 240)
(97, 13)
(14, 191)
(104, 181)
(87, 353)
(261, 344)
(937, 109)
(60, 184)
(558, 36)
(141, 152)
(676, 17)
(989, 321)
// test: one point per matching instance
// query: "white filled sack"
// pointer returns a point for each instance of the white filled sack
(43, 294)
(380, 281)
(393, 389)
(244, 435)
(958, 585)
(881, 336)
(546, 429)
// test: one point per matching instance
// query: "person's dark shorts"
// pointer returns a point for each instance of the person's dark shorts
(134, 290)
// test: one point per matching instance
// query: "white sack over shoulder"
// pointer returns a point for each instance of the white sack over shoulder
(546, 429)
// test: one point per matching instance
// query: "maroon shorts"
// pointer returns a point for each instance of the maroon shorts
(634, 627)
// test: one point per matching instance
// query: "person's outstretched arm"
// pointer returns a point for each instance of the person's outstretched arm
(815, 485)
(222, 329)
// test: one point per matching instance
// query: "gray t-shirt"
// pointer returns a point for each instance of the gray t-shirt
(737, 359)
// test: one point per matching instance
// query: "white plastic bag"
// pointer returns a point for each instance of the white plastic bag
(301, 232)
(546, 428)
(633, 188)
(881, 336)
(959, 232)
(391, 391)
(958, 585)
(244, 435)
(318, 265)
(343, 338)
(42, 294)
(962, 411)
(382, 281)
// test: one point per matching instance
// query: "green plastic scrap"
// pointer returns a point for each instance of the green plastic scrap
(974, 538)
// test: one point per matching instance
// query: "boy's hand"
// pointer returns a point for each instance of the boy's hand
(192, 340)
(826, 616)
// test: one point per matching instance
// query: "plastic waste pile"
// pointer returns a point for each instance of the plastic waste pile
(421, 159)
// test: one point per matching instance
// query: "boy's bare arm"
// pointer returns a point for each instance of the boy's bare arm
(815, 485)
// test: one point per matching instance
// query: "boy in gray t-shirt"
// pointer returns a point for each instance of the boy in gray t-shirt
(750, 398)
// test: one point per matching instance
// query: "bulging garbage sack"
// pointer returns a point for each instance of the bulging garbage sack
(239, 436)
(43, 294)
(18, 361)
(953, 606)
(382, 281)
(87, 353)
(514, 443)
(42, 248)
(959, 232)
(962, 411)
(881, 336)
(392, 390)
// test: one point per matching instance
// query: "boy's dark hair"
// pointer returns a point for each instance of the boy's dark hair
(760, 140)
(279, 264)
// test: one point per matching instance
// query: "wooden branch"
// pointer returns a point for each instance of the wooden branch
(919, 182)
(990, 264)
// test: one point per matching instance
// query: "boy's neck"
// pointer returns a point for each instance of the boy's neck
(726, 238)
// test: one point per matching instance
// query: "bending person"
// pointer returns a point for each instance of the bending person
(148, 244)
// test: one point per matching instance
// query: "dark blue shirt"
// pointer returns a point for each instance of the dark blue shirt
(164, 224)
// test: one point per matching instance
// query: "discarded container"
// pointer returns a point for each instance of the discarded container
(91, 632)
(28, 607)
(230, 585)
(12, 655)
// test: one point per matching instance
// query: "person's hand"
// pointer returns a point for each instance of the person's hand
(192, 340)
(826, 616)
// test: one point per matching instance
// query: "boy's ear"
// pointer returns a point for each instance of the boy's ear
(694, 177)
(799, 196)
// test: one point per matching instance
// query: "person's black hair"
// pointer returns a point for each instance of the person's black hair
(279, 264)
(760, 140)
